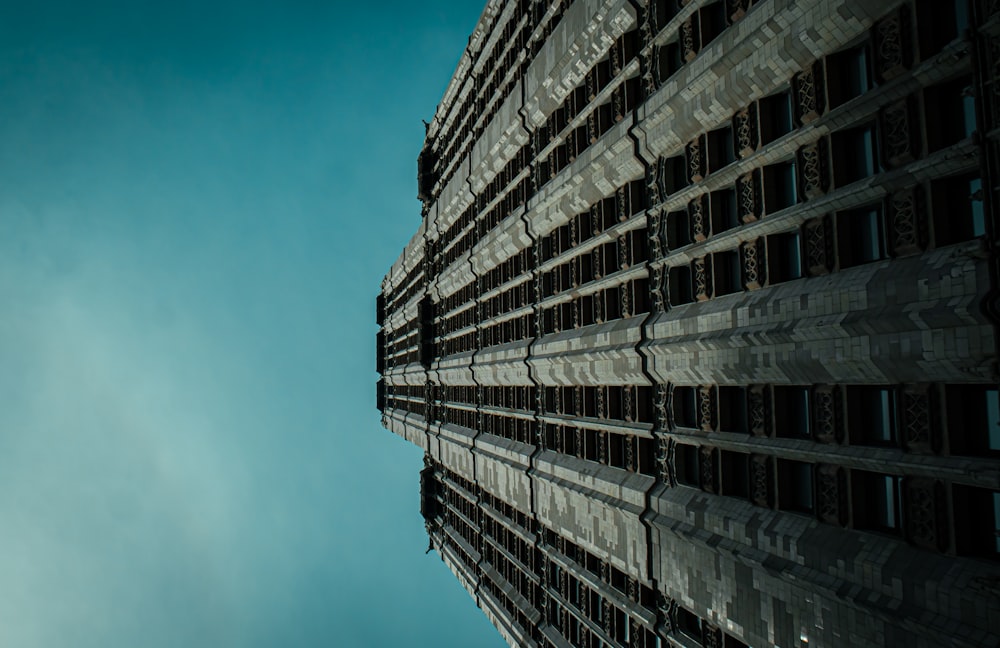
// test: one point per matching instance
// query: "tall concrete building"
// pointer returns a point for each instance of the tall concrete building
(698, 330)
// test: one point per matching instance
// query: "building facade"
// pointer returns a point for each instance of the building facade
(698, 331)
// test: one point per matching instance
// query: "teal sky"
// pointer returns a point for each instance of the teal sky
(197, 204)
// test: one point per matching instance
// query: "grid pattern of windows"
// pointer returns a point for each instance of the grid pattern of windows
(592, 227)
(930, 419)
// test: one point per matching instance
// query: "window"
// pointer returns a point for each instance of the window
(733, 410)
(876, 500)
(603, 74)
(775, 117)
(558, 119)
(779, 187)
(977, 521)
(635, 197)
(679, 284)
(616, 450)
(678, 229)
(605, 118)
(795, 486)
(791, 412)
(973, 413)
(612, 303)
(580, 138)
(638, 293)
(871, 415)
(727, 272)
(686, 460)
(674, 174)
(854, 156)
(720, 148)
(860, 236)
(647, 456)
(669, 59)
(724, 210)
(577, 100)
(569, 440)
(939, 23)
(951, 113)
(638, 246)
(784, 257)
(733, 642)
(585, 266)
(665, 10)
(587, 314)
(685, 407)
(614, 404)
(630, 91)
(607, 214)
(713, 21)
(590, 401)
(689, 624)
(958, 209)
(735, 474)
(848, 75)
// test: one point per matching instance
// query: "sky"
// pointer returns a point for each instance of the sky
(198, 201)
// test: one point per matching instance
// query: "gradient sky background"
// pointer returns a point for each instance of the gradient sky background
(198, 201)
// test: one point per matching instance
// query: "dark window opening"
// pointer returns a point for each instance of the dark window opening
(727, 273)
(733, 642)
(775, 117)
(973, 414)
(644, 404)
(678, 229)
(569, 440)
(724, 210)
(950, 110)
(674, 174)
(720, 148)
(586, 268)
(784, 257)
(590, 401)
(614, 404)
(871, 415)
(587, 315)
(689, 623)
(680, 285)
(665, 10)
(616, 450)
(613, 302)
(712, 19)
(939, 23)
(860, 236)
(854, 155)
(559, 119)
(631, 92)
(795, 486)
(605, 118)
(686, 460)
(876, 500)
(669, 60)
(640, 295)
(603, 74)
(647, 456)
(791, 412)
(735, 474)
(779, 187)
(733, 410)
(977, 521)
(848, 75)
(958, 209)
(685, 407)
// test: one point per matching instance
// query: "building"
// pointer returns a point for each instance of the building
(699, 327)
